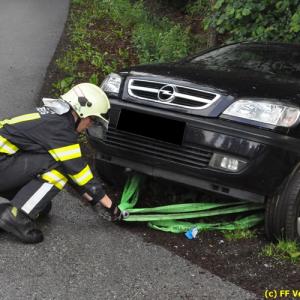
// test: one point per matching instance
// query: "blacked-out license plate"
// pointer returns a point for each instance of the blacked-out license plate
(150, 126)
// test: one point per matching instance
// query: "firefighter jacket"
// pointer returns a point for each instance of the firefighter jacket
(45, 131)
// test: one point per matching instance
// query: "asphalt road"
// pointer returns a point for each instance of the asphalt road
(82, 257)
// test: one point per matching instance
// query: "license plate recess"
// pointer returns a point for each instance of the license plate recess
(155, 127)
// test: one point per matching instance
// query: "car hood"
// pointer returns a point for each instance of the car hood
(238, 83)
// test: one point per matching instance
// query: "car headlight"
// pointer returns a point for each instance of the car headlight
(265, 112)
(112, 83)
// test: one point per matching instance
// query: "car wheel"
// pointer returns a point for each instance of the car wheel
(282, 214)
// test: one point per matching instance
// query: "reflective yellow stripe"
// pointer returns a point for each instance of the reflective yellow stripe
(19, 119)
(56, 178)
(66, 153)
(83, 177)
(14, 211)
(7, 147)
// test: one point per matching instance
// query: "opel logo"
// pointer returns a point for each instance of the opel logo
(167, 93)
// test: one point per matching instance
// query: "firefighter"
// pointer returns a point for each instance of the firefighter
(39, 154)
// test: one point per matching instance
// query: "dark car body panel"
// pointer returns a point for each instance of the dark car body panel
(251, 84)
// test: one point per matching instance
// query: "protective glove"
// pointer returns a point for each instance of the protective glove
(115, 213)
(112, 214)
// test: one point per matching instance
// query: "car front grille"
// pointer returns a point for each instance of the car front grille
(187, 155)
(170, 94)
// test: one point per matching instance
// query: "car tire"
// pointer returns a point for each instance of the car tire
(282, 214)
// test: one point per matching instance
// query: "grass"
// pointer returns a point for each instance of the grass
(86, 56)
(240, 234)
(107, 35)
(283, 250)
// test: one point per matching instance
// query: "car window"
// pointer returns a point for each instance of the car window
(267, 58)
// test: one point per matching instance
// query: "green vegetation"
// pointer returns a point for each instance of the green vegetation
(82, 60)
(241, 234)
(288, 250)
(106, 35)
(263, 20)
(155, 39)
(199, 8)
(160, 43)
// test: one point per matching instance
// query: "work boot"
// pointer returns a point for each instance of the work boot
(14, 221)
(46, 211)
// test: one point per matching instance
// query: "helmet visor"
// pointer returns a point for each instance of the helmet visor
(99, 121)
(106, 115)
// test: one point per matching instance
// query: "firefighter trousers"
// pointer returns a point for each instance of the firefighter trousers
(34, 178)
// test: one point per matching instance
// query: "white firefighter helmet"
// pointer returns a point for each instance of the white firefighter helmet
(88, 100)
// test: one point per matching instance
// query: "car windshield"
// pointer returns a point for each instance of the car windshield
(277, 59)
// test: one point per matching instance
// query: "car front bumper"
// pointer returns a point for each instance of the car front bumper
(270, 156)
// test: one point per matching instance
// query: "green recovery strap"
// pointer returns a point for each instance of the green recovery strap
(193, 215)
(165, 217)
(180, 226)
(130, 193)
(186, 207)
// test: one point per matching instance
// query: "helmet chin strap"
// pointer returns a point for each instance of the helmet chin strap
(76, 118)
(77, 123)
